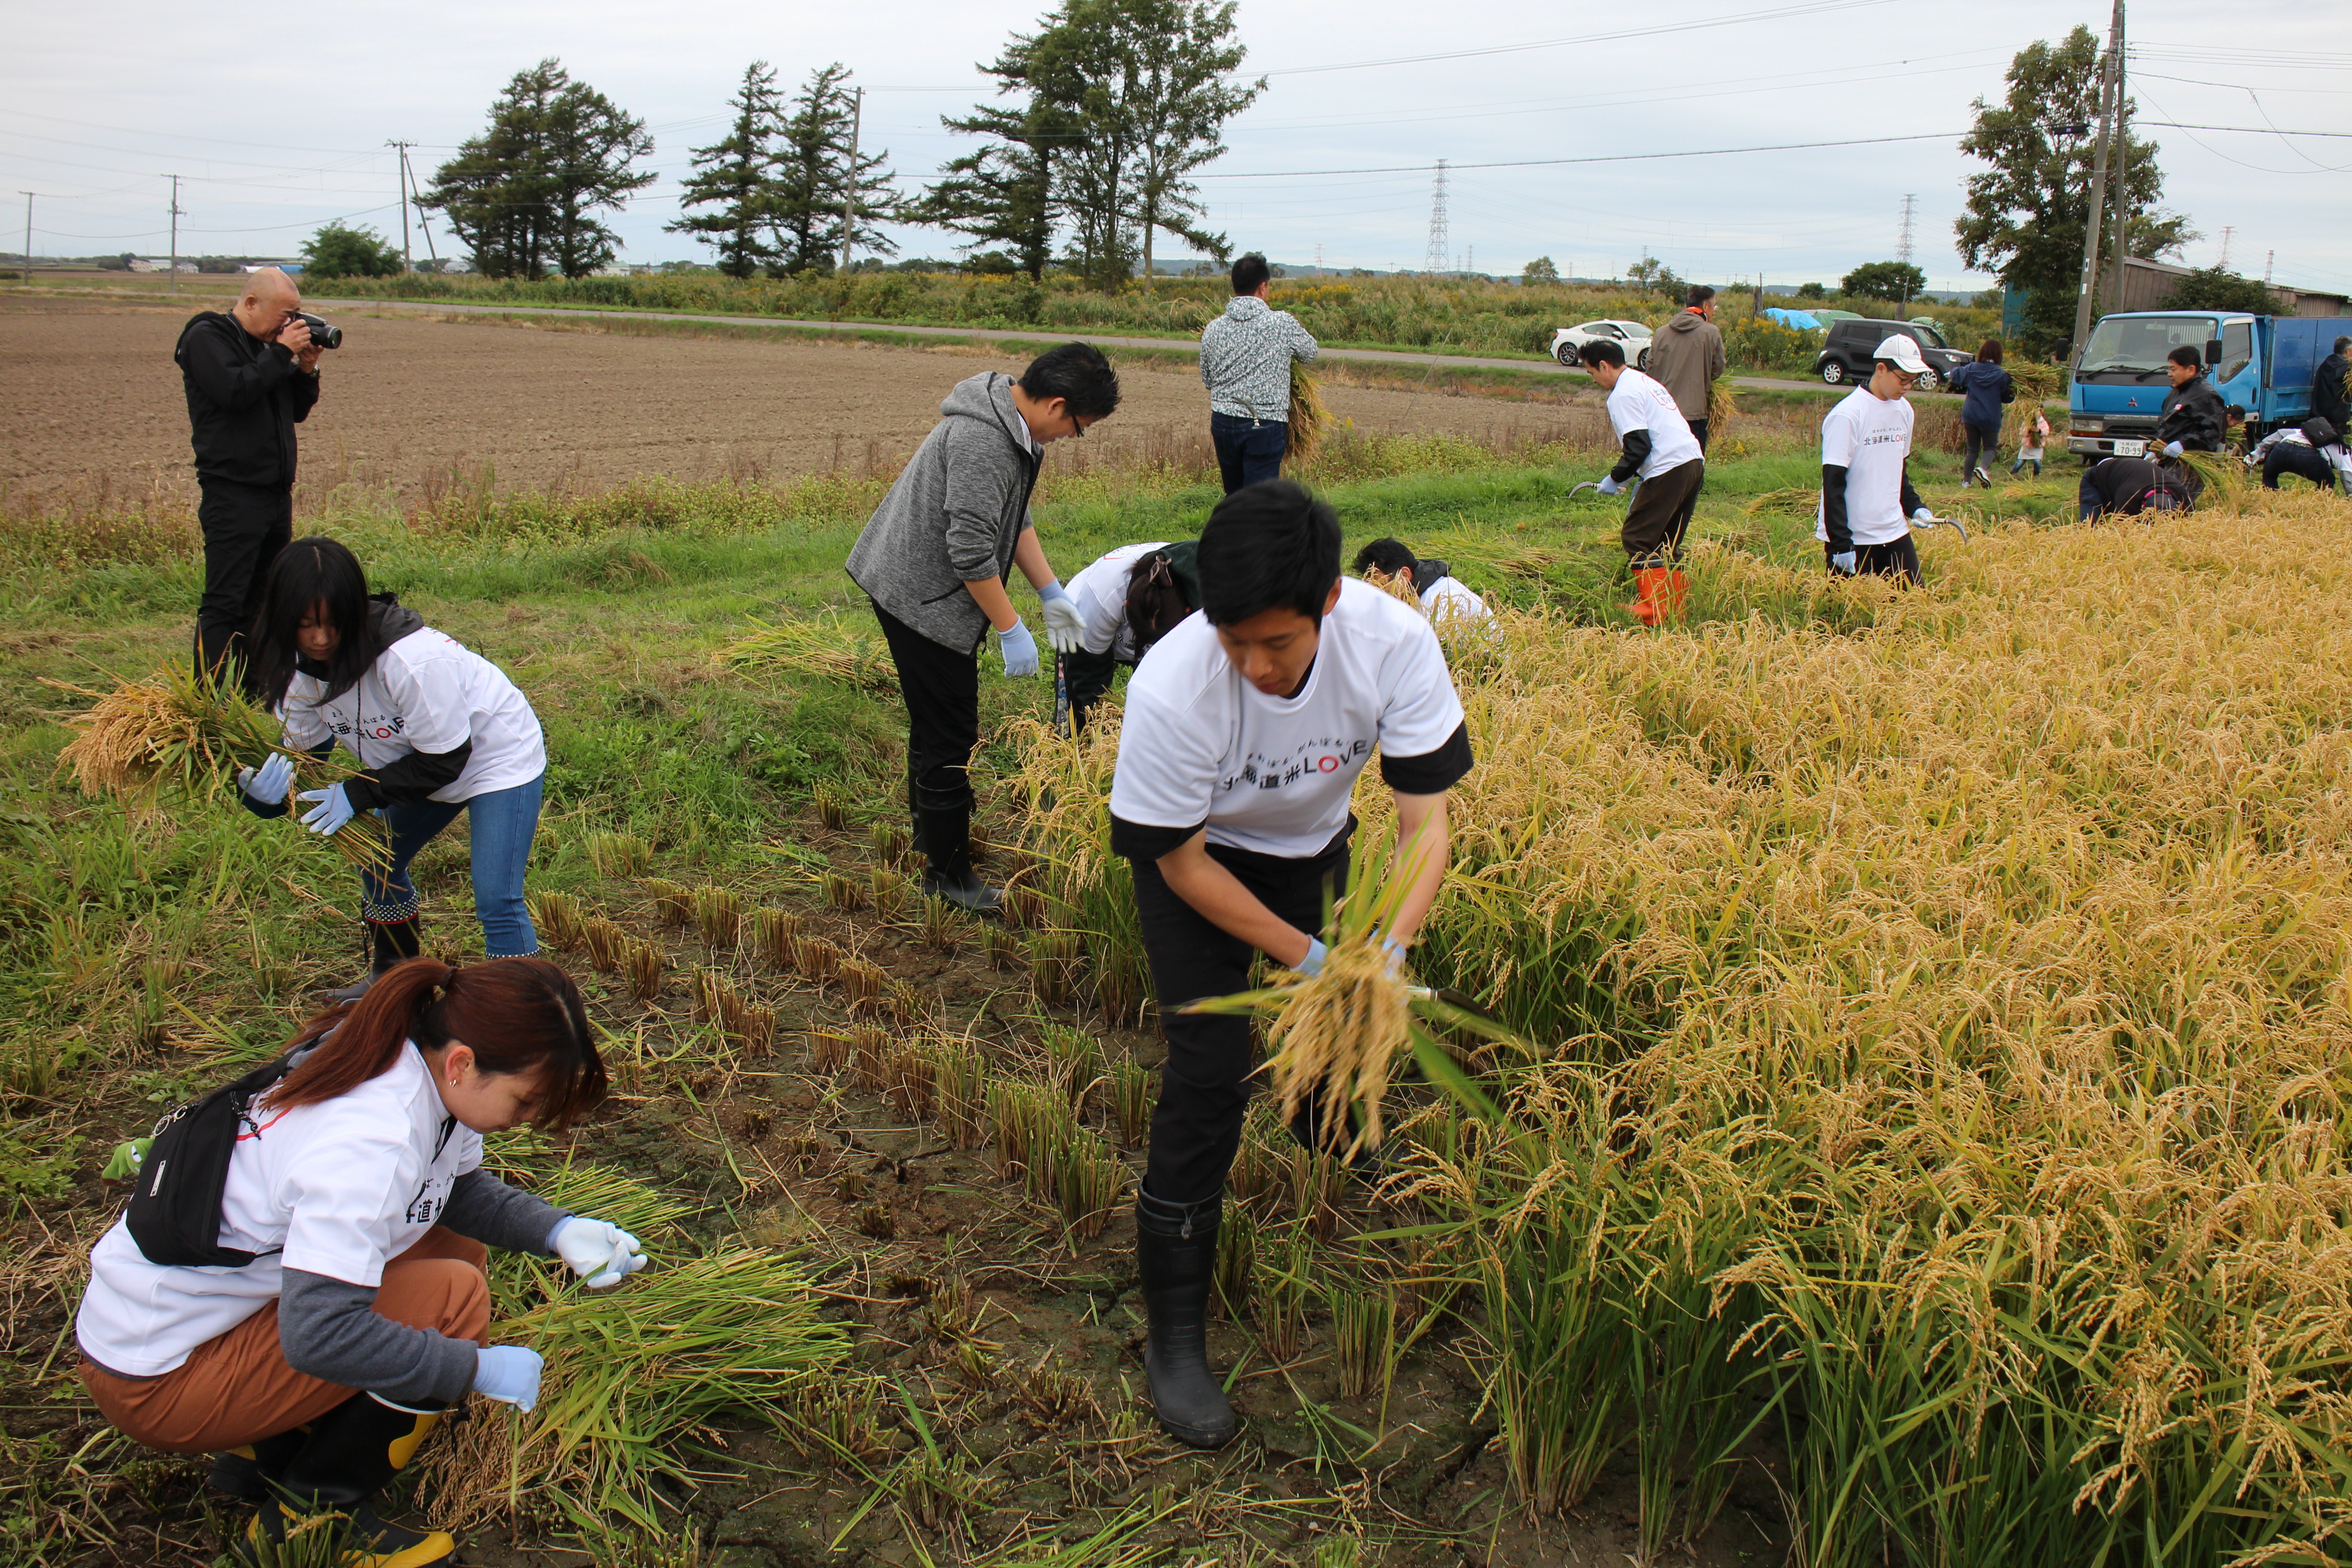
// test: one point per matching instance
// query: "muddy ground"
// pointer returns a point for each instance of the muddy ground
(88, 394)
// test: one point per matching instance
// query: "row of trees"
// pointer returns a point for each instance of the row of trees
(1101, 117)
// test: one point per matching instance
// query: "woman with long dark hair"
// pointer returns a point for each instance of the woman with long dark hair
(315, 1371)
(1986, 387)
(435, 728)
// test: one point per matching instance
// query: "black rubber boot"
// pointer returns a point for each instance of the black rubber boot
(352, 1451)
(388, 943)
(946, 838)
(1176, 1248)
(248, 1472)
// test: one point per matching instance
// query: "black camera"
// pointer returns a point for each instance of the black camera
(323, 333)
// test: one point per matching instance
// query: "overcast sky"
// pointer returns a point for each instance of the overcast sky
(277, 129)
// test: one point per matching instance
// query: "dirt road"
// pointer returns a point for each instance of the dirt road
(89, 395)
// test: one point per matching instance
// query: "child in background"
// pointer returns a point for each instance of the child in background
(2029, 450)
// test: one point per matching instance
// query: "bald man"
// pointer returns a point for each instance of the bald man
(252, 375)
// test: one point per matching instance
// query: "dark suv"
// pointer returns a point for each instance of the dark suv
(1846, 359)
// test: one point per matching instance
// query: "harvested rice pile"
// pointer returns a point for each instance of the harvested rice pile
(1309, 419)
(822, 646)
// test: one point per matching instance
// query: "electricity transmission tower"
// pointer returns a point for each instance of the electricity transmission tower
(1903, 245)
(2227, 230)
(1435, 262)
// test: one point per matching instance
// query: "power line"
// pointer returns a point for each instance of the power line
(1812, 8)
(1607, 158)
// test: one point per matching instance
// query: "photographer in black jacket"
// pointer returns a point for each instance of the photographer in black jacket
(252, 375)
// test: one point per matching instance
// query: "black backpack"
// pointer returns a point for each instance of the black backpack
(175, 1209)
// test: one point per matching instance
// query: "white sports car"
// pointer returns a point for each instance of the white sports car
(1631, 336)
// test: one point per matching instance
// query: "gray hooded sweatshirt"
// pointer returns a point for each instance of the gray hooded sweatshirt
(954, 516)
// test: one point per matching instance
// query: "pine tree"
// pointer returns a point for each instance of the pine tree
(1003, 193)
(736, 178)
(815, 180)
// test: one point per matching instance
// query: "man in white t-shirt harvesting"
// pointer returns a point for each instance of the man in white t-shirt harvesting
(1867, 503)
(1245, 728)
(1656, 442)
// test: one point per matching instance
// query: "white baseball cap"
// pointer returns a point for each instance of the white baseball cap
(1903, 353)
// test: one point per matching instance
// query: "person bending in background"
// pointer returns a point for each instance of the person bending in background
(2126, 487)
(932, 560)
(1245, 732)
(1867, 503)
(2194, 418)
(1246, 359)
(314, 1369)
(1128, 600)
(251, 374)
(1655, 445)
(1444, 598)
(435, 728)
(2315, 451)
(1986, 389)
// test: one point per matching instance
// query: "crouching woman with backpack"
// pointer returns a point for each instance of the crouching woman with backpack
(298, 1285)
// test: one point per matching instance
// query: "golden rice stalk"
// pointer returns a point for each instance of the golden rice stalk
(607, 944)
(822, 646)
(1722, 406)
(1792, 501)
(1397, 585)
(1310, 421)
(773, 934)
(557, 918)
(644, 964)
(181, 732)
(816, 958)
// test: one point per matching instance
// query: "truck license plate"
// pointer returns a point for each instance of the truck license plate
(2131, 448)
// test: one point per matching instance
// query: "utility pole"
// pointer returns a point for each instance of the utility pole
(849, 201)
(406, 265)
(29, 238)
(2122, 247)
(1433, 262)
(171, 280)
(2095, 212)
(423, 223)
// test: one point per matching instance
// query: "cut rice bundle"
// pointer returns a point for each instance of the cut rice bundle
(1309, 419)
(822, 646)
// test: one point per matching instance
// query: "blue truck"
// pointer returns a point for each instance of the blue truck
(2261, 363)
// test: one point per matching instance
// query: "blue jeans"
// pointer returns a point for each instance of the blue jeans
(504, 822)
(1248, 450)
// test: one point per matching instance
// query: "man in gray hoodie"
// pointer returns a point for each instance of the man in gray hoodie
(933, 560)
(1687, 355)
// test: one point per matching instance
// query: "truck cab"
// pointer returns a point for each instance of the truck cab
(2120, 381)
(2262, 364)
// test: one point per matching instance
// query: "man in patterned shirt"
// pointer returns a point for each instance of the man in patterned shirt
(1246, 357)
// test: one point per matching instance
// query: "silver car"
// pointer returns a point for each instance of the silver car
(1631, 336)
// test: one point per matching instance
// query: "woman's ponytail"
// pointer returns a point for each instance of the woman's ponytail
(517, 1014)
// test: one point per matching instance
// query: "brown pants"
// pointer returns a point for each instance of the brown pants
(1661, 511)
(237, 1388)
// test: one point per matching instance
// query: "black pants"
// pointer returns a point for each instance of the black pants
(942, 691)
(2288, 457)
(1248, 450)
(1661, 515)
(1085, 677)
(1205, 1086)
(245, 527)
(1698, 430)
(1900, 560)
(1984, 447)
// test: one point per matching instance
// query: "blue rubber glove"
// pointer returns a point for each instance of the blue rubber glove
(1609, 487)
(2172, 449)
(1066, 624)
(267, 783)
(1019, 648)
(1923, 516)
(601, 1252)
(1313, 962)
(334, 809)
(1844, 565)
(508, 1374)
(1395, 950)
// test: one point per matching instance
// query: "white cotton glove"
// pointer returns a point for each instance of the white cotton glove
(508, 1374)
(267, 783)
(1313, 962)
(1019, 648)
(1395, 950)
(1065, 628)
(334, 809)
(599, 1253)
(1843, 564)
(1923, 516)
(2172, 449)
(1609, 486)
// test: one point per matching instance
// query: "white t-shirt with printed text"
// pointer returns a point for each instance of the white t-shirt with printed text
(1869, 437)
(1101, 593)
(338, 1188)
(1200, 744)
(427, 692)
(1637, 402)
